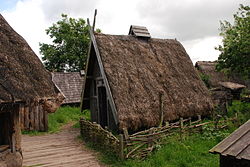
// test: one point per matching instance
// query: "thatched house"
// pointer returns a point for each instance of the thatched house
(215, 77)
(24, 82)
(70, 84)
(235, 149)
(209, 68)
(127, 74)
(234, 89)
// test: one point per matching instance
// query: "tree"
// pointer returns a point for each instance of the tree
(68, 52)
(235, 48)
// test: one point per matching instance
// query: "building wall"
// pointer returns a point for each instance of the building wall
(33, 118)
(10, 136)
(229, 161)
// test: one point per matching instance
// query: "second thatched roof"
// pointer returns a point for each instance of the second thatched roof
(138, 70)
(215, 77)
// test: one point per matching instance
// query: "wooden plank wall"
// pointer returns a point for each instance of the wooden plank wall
(33, 118)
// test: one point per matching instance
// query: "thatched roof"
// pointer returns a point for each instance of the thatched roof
(215, 77)
(138, 70)
(22, 75)
(235, 145)
(232, 86)
(209, 68)
(70, 84)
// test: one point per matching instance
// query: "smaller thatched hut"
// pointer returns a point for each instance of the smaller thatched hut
(209, 68)
(235, 149)
(234, 89)
(70, 84)
(215, 77)
(133, 81)
(24, 82)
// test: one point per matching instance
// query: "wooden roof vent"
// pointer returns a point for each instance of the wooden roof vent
(139, 31)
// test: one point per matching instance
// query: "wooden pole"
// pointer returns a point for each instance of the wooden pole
(93, 27)
(125, 131)
(181, 127)
(161, 109)
(121, 147)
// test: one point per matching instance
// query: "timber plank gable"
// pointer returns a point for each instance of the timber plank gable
(100, 78)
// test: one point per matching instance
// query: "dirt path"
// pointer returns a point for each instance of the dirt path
(57, 150)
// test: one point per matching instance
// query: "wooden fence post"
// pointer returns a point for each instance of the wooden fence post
(161, 109)
(125, 132)
(121, 147)
(200, 128)
(166, 124)
(199, 117)
(181, 127)
(150, 143)
(190, 123)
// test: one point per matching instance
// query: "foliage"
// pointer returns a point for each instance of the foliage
(235, 50)
(210, 133)
(70, 45)
(205, 78)
(242, 109)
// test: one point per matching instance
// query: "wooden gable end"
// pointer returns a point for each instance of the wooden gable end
(96, 93)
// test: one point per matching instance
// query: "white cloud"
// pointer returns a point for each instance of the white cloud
(189, 19)
(75, 8)
(203, 49)
(28, 20)
(194, 23)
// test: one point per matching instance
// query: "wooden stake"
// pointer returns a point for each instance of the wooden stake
(199, 117)
(181, 127)
(161, 109)
(93, 27)
(125, 131)
(121, 147)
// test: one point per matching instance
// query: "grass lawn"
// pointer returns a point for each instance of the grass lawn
(192, 151)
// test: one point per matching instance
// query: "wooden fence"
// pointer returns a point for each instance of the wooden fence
(33, 118)
(140, 144)
(101, 137)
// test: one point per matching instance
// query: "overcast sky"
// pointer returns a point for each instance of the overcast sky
(195, 23)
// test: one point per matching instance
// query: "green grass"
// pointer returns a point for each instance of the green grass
(192, 151)
(241, 108)
(64, 115)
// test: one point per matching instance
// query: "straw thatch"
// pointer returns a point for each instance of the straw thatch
(22, 75)
(232, 86)
(70, 84)
(215, 77)
(138, 70)
(209, 68)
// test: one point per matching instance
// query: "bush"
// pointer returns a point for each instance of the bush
(242, 109)
(205, 78)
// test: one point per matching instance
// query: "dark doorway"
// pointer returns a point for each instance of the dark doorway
(102, 100)
(5, 130)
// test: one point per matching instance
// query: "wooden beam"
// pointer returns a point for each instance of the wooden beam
(86, 72)
(112, 103)
(93, 29)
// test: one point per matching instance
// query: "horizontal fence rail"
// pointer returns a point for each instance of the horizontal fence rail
(142, 143)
